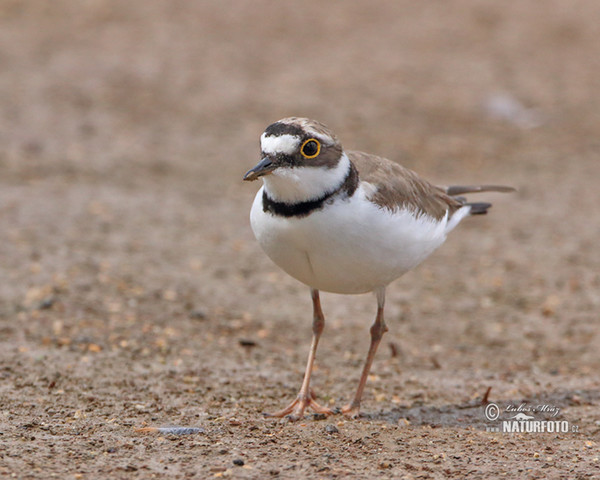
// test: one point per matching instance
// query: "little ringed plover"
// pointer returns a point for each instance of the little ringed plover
(346, 222)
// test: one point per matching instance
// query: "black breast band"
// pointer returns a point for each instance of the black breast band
(302, 209)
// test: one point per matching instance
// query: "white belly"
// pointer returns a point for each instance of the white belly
(351, 246)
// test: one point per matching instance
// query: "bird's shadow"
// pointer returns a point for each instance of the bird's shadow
(473, 414)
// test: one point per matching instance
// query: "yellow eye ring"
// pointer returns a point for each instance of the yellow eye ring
(308, 148)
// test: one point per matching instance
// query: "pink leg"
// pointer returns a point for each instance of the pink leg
(295, 410)
(377, 330)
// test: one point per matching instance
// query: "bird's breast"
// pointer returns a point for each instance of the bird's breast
(349, 246)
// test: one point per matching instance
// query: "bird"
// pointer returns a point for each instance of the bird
(346, 222)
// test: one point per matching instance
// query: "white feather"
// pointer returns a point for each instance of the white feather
(301, 184)
(351, 246)
(286, 144)
(457, 217)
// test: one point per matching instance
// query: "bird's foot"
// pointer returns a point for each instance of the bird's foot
(295, 410)
(352, 410)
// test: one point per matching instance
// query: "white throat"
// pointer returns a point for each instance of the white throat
(302, 184)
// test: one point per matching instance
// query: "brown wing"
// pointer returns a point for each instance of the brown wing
(398, 187)
(453, 190)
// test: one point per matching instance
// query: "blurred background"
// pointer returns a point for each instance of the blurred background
(125, 129)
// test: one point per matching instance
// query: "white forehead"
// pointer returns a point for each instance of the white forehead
(273, 144)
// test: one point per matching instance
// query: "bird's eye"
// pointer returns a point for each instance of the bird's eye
(310, 148)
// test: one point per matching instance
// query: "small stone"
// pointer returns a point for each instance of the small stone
(46, 303)
(331, 429)
(198, 314)
(238, 462)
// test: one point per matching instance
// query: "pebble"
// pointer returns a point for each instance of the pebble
(238, 462)
(198, 314)
(331, 429)
(46, 303)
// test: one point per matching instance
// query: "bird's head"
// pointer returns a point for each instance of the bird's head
(300, 159)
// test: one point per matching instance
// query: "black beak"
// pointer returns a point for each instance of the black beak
(264, 167)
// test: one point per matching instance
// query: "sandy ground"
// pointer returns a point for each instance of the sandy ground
(133, 294)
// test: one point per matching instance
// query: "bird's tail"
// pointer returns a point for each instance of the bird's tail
(477, 208)
(455, 190)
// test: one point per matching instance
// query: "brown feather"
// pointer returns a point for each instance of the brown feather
(395, 187)
(461, 189)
